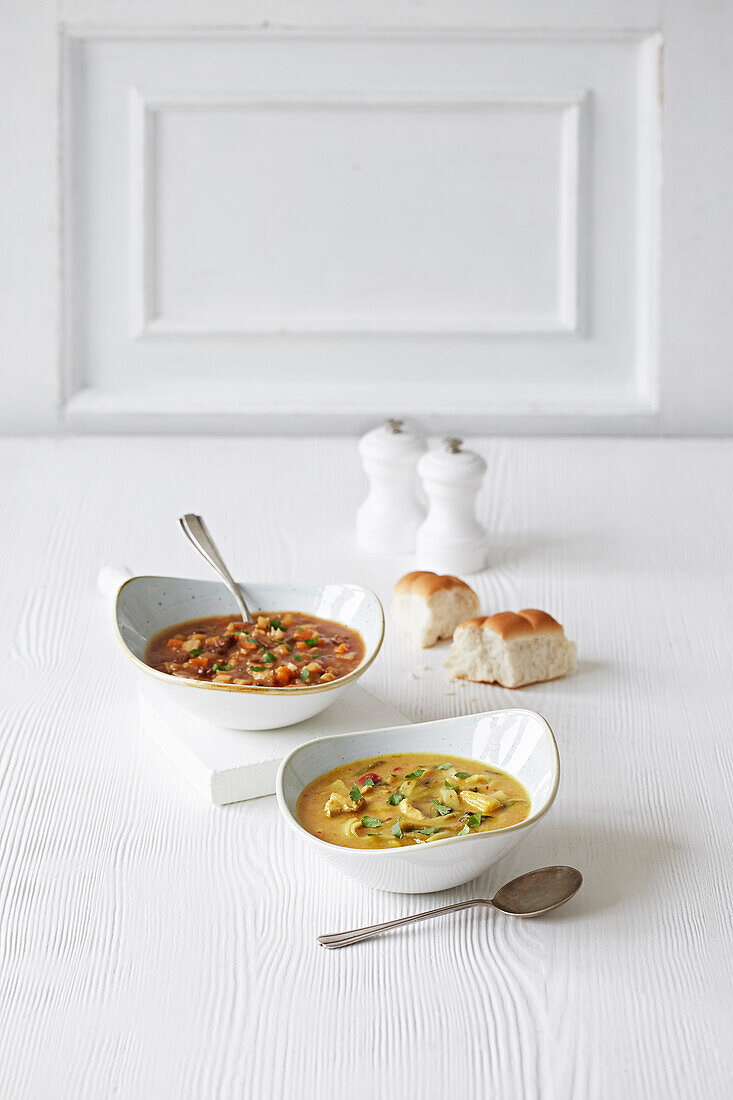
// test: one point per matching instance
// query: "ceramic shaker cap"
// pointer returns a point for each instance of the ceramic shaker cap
(451, 540)
(389, 516)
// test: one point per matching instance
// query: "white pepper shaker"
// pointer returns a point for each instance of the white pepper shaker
(387, 520)
(451, 540)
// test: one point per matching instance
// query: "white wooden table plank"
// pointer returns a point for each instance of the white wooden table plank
(155, 946)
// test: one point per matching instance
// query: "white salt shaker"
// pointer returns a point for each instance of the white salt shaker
(387, 520)
(451, 540)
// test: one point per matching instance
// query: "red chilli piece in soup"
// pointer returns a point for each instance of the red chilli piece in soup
(284, 649)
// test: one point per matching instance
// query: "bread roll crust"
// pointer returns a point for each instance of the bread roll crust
(422, 583)
(517, 624)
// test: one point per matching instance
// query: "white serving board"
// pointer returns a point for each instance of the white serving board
(233, 765)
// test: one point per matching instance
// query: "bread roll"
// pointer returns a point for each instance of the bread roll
(427, 607)
(511, 649)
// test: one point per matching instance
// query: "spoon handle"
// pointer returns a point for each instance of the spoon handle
(197, 532)
(356, 935)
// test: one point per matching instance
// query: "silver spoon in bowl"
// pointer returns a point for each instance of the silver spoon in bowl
(197, 532)
(529, 895)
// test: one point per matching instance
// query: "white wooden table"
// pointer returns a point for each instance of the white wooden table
(154, 946)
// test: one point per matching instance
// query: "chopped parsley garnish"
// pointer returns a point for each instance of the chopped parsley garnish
(474, 820)
(444, 767)
(397, 830)
(462, 775)
(305, 675)
(416, 774)
(355, 794)
(257, 668)
(297, 658)
(463, 831)
(395, 799)
(312, 641)
(195, 652)
(442, 810)
(447, 784)
(275, 624)
(269, 657)
(371, 822)
(220, 668)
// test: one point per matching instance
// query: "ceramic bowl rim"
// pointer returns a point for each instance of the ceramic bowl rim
(244, 689)
(392, 852)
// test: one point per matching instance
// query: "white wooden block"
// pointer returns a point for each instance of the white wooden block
(226, 765)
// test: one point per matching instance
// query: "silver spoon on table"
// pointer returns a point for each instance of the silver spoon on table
(527, 896)
(198, 533)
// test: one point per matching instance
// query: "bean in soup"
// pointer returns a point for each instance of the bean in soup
(286, 649)
(410, 798)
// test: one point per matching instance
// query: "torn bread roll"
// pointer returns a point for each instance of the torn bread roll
(427, 607)
(511, 649)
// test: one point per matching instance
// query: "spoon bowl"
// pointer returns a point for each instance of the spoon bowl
(538, 891)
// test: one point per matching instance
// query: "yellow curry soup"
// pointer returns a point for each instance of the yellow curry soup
(410, 798)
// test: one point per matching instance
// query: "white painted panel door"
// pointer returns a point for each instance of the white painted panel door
(500, 215)
(337, 221)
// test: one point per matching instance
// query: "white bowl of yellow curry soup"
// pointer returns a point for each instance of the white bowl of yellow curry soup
(424, 807)
(303, 648)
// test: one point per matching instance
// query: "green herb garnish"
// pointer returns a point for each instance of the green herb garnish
(269, 657)
(395, 799)
(397, 830)
(195, 652)
(368, 782)
(371, 822)
(428, 831)
(442, 810)
(257, 668)
(463, 831)
(462, 775)
(220, 668)
(444, 767)
(447, 784)
(355, 794)
(474, 821)
(416, 774)
(305, 675)
(296, 658)
(312, 641)
(275, 624)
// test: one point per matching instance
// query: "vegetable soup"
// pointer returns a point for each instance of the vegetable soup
(276, 650)
(410, 798)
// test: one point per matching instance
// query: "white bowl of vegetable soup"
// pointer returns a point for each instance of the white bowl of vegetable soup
(302, 650)
(419, 808)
